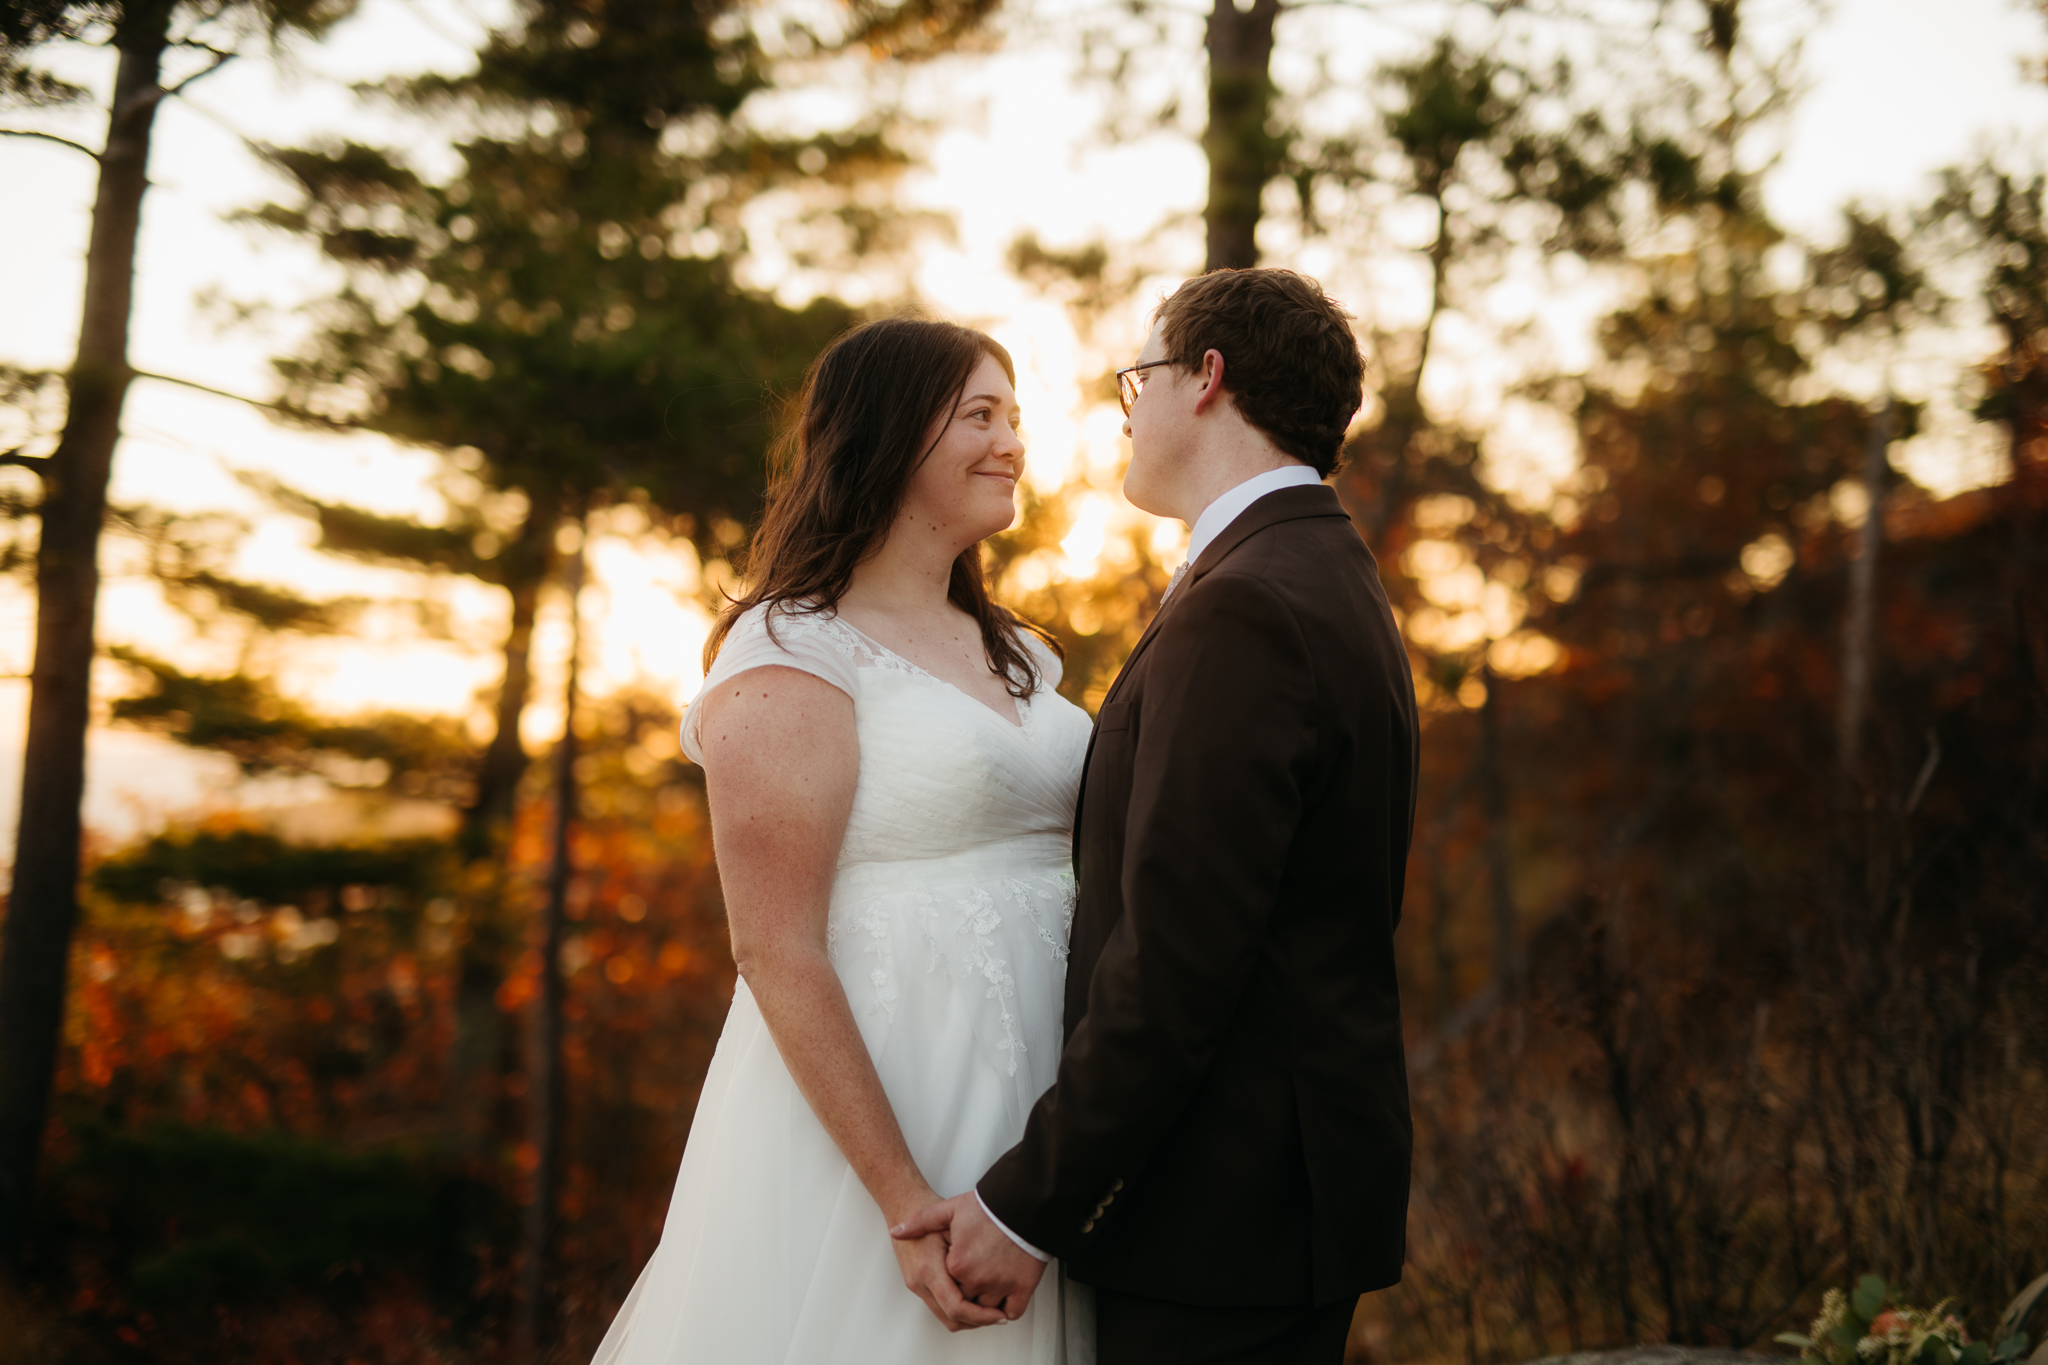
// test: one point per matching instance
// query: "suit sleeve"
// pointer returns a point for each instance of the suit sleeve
(1224, 749)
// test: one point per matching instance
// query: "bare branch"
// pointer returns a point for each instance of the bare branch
(1386, 6)
(150, 97)
(255, 148)
(296, 414)
(21, 459)
(220, 59)
(197, 45)
(50, 137)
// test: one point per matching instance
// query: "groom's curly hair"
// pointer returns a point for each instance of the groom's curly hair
(1290, 360)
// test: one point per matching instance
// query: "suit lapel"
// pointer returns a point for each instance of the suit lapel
(1286, 504)
(1115, 686)
(1151, 629)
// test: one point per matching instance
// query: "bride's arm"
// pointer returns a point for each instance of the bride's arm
(780, 762)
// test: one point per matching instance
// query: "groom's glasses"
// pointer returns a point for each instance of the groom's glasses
(1130, 381)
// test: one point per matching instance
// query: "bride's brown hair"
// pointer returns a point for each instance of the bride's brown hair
(842, 466)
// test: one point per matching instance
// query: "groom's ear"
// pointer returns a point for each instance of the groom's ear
(1211, 378)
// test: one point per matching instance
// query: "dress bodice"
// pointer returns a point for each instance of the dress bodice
(956, 865)
(941, 774)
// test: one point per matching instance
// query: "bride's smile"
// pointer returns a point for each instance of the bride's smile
(966, 489)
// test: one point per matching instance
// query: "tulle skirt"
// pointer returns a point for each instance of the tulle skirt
(773, 1251)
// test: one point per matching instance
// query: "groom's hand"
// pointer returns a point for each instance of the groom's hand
(990, 1269)
(923, 1262)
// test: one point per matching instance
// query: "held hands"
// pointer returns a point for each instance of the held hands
(922, 1258)
(994, 1274)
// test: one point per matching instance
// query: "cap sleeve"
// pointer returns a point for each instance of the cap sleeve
(810, 642)
(1050, 670)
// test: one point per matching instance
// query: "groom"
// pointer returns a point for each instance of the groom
(1224, 1155)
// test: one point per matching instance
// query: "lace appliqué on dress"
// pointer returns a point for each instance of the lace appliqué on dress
(866, 653)
(1026, 895)
(844, 638)
(958, 928)
(872, 921)
(978, 923)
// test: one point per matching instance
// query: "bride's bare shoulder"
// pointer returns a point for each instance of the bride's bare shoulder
(772, 712)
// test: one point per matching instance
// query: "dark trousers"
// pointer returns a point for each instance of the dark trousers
(1135, 1331)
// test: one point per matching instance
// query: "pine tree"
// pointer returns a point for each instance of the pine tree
(562, 321)
(153, 38)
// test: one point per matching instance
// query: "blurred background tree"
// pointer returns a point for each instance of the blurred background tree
(573, 336)
(1794, 1041)
(163, 46)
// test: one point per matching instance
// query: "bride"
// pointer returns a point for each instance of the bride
(892, 783)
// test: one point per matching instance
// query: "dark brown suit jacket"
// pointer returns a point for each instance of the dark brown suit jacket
(1230, 1123)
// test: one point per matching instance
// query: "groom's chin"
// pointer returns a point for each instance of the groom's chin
(1139, 494)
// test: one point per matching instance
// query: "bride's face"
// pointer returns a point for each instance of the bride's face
(966, 490)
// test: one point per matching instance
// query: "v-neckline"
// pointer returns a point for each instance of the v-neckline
(1017, 704)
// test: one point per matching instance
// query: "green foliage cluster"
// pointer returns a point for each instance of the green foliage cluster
(195, 1219)
(2001, 217)
(247, 718)
(578, 323)
(30, 27)
(26, 26)
(250, 864)
(1863, 1327)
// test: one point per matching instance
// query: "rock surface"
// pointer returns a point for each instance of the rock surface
(1663, 1355)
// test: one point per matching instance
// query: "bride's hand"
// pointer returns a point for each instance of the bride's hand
(923, 1260)
(984, 1260)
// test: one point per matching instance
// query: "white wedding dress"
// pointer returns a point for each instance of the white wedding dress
(948, 926)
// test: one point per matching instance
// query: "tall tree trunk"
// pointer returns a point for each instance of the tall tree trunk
(1493, 783)
(547, 1094)
(1859, 634)
(527, 562)
(476, 1054)
(35, 947)
(1243, 154)
(1380, 476)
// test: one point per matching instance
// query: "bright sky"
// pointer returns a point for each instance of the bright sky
(1899, 88)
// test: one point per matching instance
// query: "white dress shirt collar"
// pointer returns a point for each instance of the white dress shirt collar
(1218, 515)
